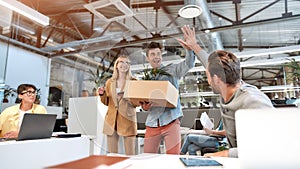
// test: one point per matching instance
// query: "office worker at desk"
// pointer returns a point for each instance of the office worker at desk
(120, 119)
(162, 122)
(223, 75)
(84, 93)
(11, 117)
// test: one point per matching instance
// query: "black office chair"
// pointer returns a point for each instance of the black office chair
(60, 125)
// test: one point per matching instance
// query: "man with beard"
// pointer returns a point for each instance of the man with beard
(223, 75)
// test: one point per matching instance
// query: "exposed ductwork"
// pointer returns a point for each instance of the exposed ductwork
(24, 45)
(206, 22)
(121, 9)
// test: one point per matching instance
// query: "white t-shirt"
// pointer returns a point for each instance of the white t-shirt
(21, 112)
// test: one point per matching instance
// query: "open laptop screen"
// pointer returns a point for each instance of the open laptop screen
(36, 126)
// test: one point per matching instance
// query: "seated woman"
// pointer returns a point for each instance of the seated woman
(196, 142)
(11, 118)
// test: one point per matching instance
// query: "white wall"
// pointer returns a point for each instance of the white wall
(27, 67)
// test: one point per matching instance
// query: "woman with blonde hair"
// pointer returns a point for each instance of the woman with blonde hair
(120, 119)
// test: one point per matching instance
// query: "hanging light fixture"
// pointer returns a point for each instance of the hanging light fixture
(190, 9)
(25, 11)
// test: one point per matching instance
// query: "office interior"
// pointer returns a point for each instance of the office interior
(65, 45)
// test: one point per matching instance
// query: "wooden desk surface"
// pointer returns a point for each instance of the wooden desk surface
(90, 162)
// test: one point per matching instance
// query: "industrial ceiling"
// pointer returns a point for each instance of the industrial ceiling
(94, 33)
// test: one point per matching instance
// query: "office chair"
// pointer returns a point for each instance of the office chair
(60, 125)
(222, 146)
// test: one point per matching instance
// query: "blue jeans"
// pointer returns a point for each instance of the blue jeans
(194, 143)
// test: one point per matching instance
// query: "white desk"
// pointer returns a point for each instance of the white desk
(143, 161)
(37, 154)
(163, 161)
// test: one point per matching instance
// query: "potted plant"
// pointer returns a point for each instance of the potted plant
(9, 92)
(153, 74)
(38, 96)
(294, 71)
(98, 77)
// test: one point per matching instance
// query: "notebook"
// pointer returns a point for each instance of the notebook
(268, 138)
(36, 126)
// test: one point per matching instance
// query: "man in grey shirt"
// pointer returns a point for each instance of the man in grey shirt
(223, 75)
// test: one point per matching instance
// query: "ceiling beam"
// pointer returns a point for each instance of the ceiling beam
(249, 24)
(156, 4)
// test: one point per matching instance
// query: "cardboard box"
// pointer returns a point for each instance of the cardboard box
(161, 93)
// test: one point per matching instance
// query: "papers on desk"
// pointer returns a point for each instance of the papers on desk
(205, 121)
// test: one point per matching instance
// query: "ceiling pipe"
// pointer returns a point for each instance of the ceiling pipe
(46, 54)
(206, 22)
(24, 45)
(251, 24)
(205, 19)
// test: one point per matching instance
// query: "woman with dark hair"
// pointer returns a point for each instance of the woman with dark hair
(11, 117)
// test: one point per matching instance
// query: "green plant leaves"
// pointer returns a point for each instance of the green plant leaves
(99, 77)
(10, 92)
(154, 73)
(295, 69)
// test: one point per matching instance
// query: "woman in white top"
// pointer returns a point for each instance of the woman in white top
(11, 117)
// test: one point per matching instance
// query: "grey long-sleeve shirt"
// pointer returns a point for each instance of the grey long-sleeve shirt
(246, 97)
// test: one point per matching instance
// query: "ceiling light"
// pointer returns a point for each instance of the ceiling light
(207, 31)
(5, 16)
(25, 11)
(190, 9)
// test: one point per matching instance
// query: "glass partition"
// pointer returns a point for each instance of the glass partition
(3, 60)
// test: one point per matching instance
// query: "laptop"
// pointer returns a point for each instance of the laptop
(189, 117)
(141, 119)
(268, 138)
(36, 126)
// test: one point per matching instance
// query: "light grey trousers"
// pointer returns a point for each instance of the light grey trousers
(113, 142)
